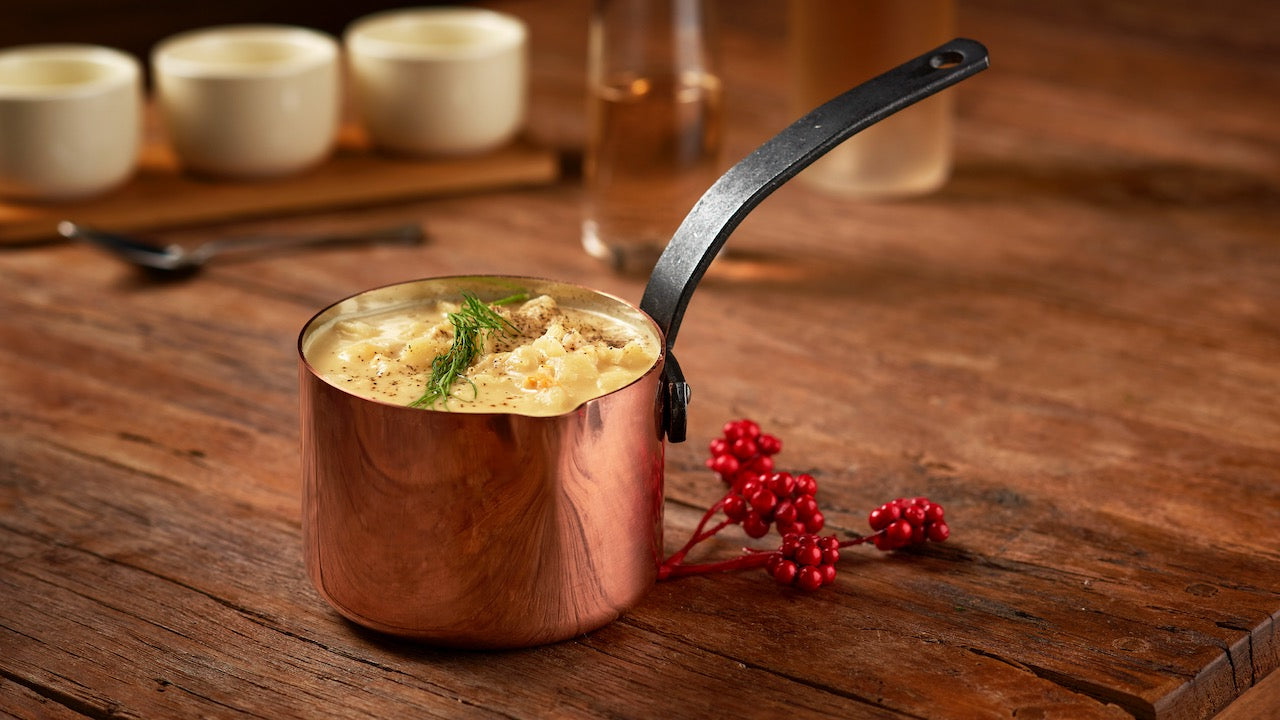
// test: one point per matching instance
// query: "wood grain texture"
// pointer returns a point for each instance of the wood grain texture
(1074, 346)
(1259, 703)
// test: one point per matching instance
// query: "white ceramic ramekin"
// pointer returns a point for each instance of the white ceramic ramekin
(246, 101)
(431, 81)
(70, 120)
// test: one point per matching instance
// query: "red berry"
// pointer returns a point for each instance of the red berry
(815, 522)
(784, 513)
(899, 533)
(934, 513)
(806, 485)
(748, 487)
(748, 428)
(761, 465)
(884, 516)
(809, 555)
(762, 500)
(785, 572)
(735, 508)
(769, 444)
(719, 446)
(809, 578)
(805, 506)
(917, 534)
(743, 448)
(782, 483)
(830, 542)
(732, 430)
(737, 479)
(939, 531)
(830, 556)
(754, 525)
(914, 514)
(790, 541)
(828, 574)
(724, 464)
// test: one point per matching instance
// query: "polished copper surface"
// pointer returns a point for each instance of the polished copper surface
(481, 530)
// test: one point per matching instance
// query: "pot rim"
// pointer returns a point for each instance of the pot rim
(311, 324)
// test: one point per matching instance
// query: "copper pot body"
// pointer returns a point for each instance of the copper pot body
(481, 530)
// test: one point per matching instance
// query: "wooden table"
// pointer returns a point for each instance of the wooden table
(1075, 347)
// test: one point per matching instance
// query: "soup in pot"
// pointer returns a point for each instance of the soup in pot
(526, 354)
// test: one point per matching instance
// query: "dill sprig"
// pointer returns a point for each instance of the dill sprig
(474, 322)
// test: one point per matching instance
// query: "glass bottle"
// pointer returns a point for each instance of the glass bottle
(654, 125)
(836, 44)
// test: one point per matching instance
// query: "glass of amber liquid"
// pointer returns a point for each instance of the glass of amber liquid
(836, 44)
(654, 125)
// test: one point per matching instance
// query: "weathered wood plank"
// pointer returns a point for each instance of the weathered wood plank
(144, 640)
(21, 701)
(1017, 574)
(226, 622)
(1050, 534)
(1262, 702)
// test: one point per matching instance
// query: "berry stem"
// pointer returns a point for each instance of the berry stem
(860, 539)
(700, 533)
(750, 559)
(761, 499)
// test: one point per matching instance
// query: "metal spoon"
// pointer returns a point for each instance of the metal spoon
(175, 258)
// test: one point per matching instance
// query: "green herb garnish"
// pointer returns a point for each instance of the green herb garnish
(474, 322)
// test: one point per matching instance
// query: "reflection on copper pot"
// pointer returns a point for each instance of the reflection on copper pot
(481, 530)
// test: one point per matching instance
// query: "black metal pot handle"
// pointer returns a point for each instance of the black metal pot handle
(719, 211)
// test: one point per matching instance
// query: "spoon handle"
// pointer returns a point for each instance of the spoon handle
(126, 246)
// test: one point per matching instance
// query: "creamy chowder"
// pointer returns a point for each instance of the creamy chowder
(546, 358)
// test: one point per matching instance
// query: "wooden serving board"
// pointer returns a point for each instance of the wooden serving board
(160, 195)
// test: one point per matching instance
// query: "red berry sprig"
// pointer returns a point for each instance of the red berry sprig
(806, 561)
(908, 521)
(759, 498)
(743, 452)
(774, 498)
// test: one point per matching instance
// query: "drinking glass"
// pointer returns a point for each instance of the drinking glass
(654, 125)
(835, 44)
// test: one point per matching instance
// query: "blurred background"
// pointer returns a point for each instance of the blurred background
(1193, 124)
(136, 25)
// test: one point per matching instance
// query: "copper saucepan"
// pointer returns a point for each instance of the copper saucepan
(502, 530)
